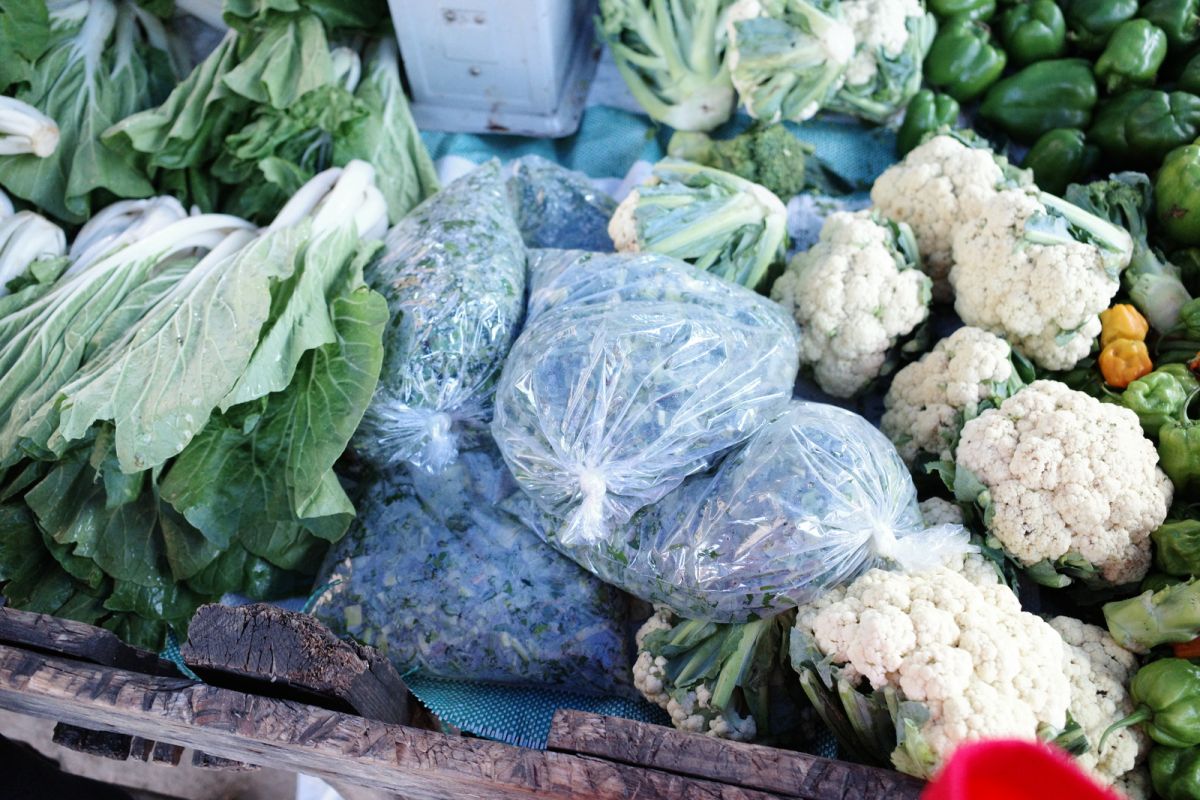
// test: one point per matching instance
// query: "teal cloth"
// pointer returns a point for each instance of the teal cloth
(518, 715)
(610, 141)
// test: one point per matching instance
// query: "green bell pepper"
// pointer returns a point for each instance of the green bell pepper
(1166, 616)
(1132, 56)
(1043, 96)
(1177, 548)
(1141, 126)
(926, 112)
(1161, 396)
(1060, 157)
(1179, 19)
(972, 9)
(1179, 451)
(1175, 772)
(963, 60)
(1091, 22)
(1177, 194)
(1033, 31)
(1189, 78)
(1167, 695)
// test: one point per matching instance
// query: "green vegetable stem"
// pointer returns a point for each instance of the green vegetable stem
(1060, 157)
(1152, 618)
(1177, 192)
(1090, 23)
(1060, 93)
(1132, 56)
(1179, 19)
(1167, 694)
(1175, 772)
(1160, 397)
(926, 112)
(964, 60)
(1177, 548)
(1033, 31)
(1141, 126)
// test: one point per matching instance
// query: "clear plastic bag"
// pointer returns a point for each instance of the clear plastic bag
(453, 273)
(806, 504)
(633, 372)
(439, 578)
(557, 207)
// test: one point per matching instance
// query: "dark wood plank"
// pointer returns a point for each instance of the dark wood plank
(295, 652)
(164, 753)
(95, 743)
(753, 766)
(206, 761)
(77, 640)
(418, 764)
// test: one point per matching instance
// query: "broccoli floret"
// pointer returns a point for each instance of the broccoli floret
(769, 156)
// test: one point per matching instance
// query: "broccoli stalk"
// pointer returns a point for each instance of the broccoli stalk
(671, 55)
(1126, 199)
(1170, 615)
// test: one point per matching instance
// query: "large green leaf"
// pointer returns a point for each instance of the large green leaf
(289, 60)
(24, 35)
(363, 14)
(387, 138)
(96, 71)
(260, 469)
(160, 386)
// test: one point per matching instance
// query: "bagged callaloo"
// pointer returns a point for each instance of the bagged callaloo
(439, 577)
(558, 207)
(453, 273)
(632, 373)
(804, 505)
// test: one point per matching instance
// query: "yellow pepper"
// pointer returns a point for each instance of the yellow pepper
(1123, 361)
(1122, 321)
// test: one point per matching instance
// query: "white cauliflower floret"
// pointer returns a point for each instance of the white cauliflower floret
(1099, 669)
(937, 511)
(930, 399)
(934, 189)
(622, 226)
(960, 645)
(1068, 474)
(879, 26)
(854, 297)
(1044, 298)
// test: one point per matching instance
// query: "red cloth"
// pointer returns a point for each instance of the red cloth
(1013, 770)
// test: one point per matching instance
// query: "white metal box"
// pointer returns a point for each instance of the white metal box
(515, 66)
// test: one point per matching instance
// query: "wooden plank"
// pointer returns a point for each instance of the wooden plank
(418, 764)
(298, 656)
(168, 754)
(754, 766)
(95, 743)
(206, 761)
(77, 640)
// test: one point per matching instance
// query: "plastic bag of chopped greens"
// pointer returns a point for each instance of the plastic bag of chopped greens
(557, 207)
(437, 577)
(633, 372)
(805, 504)
(453, 273)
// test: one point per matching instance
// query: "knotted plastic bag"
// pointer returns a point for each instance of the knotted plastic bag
(453, 273)
(438, 577)
(633, 372)
(806, 504)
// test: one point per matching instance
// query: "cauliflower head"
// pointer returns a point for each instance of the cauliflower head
(854, 294)
(1099, 671)
(1066, 475)
(953, 640)
(881, 30)
(892, 38)
(934, 189)
(936, 511)
(1044, 297)
(930, 399)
